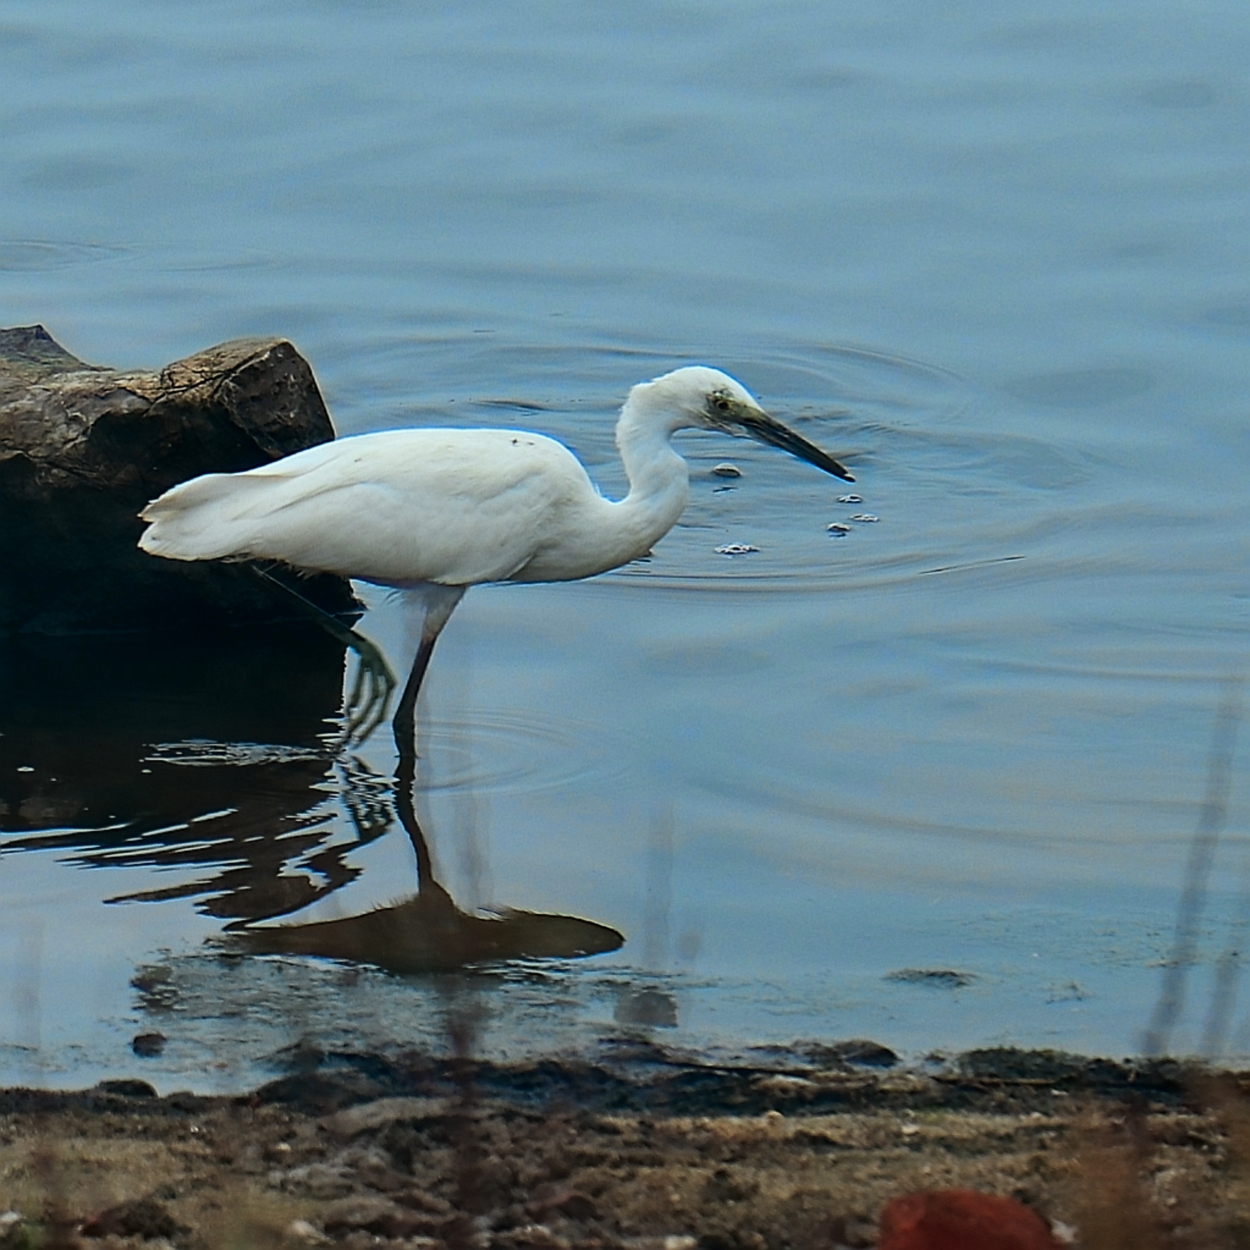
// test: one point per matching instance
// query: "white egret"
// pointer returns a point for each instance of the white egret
(435, 511)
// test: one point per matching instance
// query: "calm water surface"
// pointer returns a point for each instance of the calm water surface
(995, 260)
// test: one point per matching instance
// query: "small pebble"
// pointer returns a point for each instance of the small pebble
(302, 1230)
(725, 469)
(850, 499)
(735, 549)
(838, 530)
(25, 768)
(864, 517)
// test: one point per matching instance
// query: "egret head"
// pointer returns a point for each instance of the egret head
(711, 400)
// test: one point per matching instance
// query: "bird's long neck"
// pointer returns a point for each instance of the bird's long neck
(659, 481)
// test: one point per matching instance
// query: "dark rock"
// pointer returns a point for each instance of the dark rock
(318, 1093)
(144, 1218)
(1008, 1063)
(858, 1051)
(84, 448)
(574, 1205)
(935, 978)
(1056, 1067)
(127, 1087)
(145, 1045)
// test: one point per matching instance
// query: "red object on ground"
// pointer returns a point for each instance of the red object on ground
(960, 1219)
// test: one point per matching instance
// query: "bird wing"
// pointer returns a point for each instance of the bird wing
(396, 507)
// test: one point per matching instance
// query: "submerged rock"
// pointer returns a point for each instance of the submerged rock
(83, 448)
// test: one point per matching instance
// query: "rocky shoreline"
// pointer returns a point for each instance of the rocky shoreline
(639, 1149)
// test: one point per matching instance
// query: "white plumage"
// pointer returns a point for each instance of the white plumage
(396, 508)
(439, 510)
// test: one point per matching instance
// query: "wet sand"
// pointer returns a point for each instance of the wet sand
(637, 1148)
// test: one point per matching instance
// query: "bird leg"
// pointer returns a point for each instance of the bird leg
(404, 723)
(366, 705)
(438, 602)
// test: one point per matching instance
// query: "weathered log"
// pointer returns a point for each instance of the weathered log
(84, 448)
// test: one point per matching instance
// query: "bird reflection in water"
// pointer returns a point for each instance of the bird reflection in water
(428, 932)
(236, 815)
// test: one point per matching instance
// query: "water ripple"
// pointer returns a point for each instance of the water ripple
(496, 752)
(39, 255)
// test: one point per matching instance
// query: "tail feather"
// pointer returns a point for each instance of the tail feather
(203, 519)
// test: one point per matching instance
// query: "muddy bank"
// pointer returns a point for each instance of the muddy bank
(637, 1149)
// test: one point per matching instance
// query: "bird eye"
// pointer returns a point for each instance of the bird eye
(720, 401)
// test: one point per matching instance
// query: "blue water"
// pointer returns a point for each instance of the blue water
(995, 259)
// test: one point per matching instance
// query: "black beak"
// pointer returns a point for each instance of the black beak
(764, 429)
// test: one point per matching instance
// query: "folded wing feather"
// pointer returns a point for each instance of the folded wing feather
(398, 508)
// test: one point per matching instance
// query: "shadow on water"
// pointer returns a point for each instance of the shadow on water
(215, 757)
(204, 754)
